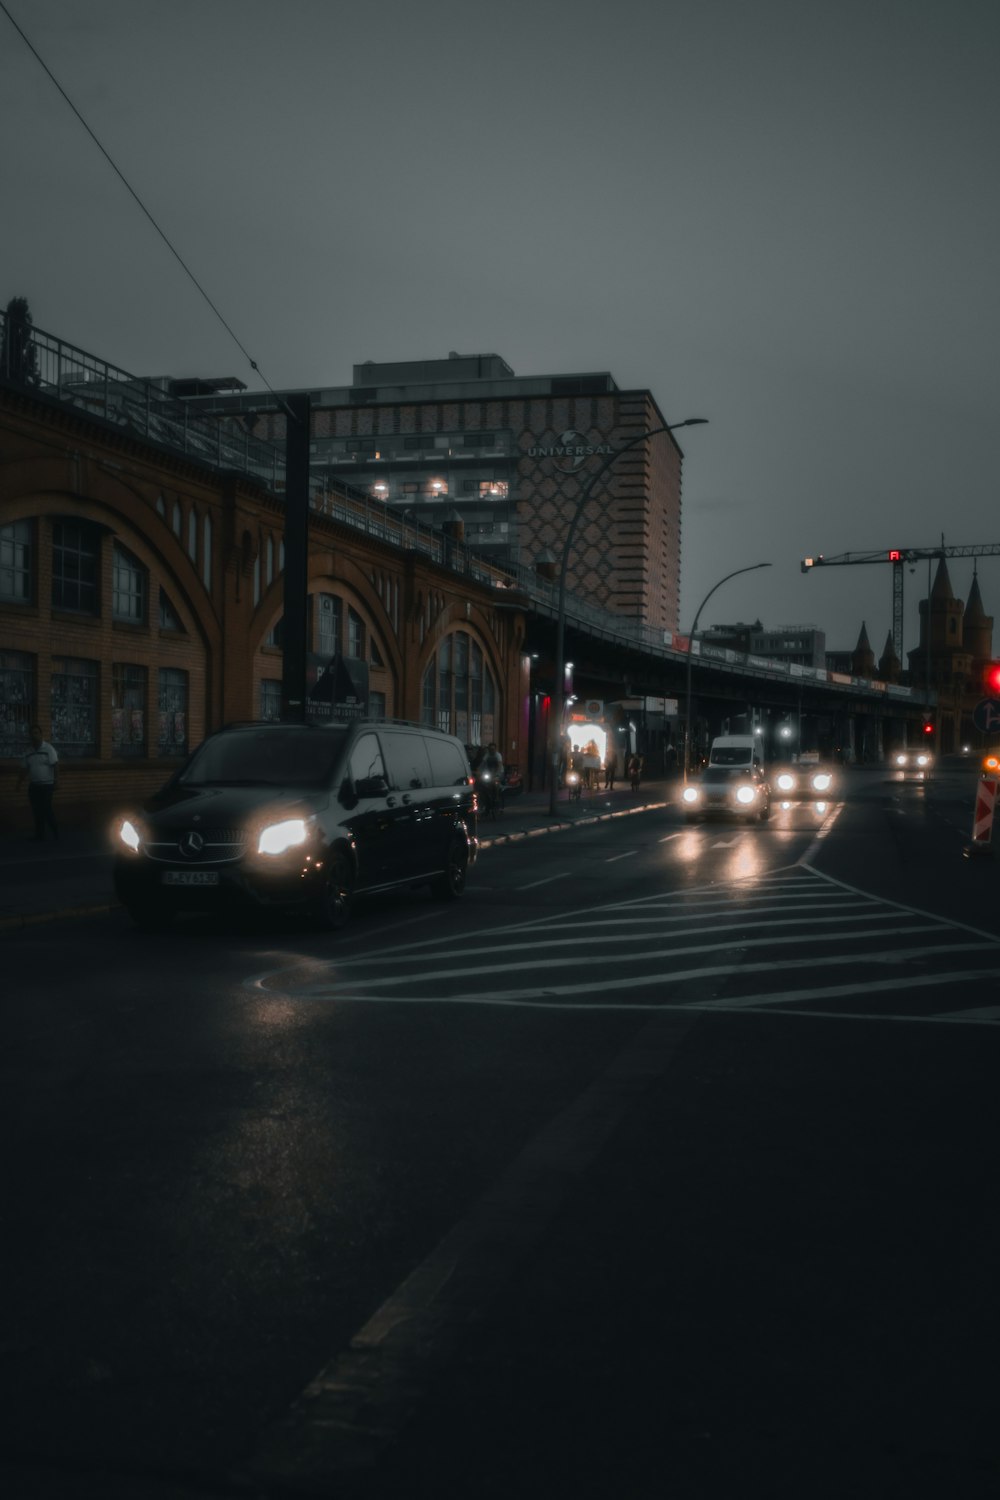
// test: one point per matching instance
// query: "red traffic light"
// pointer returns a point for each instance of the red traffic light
(991, 679)
(927, 727)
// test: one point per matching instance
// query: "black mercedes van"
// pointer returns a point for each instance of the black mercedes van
(301, 816)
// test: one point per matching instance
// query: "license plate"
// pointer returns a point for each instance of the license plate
(190, 877)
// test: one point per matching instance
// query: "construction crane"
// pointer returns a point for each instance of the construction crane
(898, 557)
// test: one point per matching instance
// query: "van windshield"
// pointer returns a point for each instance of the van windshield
(267, 756)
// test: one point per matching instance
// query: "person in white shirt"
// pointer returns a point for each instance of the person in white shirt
(39, 766)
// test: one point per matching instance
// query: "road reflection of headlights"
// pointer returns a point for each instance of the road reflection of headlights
(746, 795)
(820, 809)
(785, 806)
(280, 837)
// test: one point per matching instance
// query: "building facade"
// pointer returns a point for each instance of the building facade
(141, 599)
(466, 439)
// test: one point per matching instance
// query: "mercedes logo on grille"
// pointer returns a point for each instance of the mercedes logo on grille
(191, 844)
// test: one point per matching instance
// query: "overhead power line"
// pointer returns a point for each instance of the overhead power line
(131, 190)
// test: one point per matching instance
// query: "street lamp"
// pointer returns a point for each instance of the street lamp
(687, 700)
(558, 696)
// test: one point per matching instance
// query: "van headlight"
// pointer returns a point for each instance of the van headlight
(690, 794)
(786, 782)
(130, 835)
(822, 781)
(278, 838)
(746, 794)
(901, 760)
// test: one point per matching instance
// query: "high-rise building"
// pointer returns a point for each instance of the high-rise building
(465, 440)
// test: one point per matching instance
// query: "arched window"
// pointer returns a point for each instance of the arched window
(175, 520)
(459, 693)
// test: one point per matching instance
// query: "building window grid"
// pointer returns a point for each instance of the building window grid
(270, 700)
(459, 694)
(129, 588)
(172, 702)
(16, 562)
(17, 699)
(74, 706)
(128, 709)
(75, 564)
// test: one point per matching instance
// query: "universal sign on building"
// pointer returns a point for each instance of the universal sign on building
(571, 451)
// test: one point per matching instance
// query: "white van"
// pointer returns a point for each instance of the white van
(737, 750)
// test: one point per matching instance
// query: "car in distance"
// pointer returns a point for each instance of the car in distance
(920, 761)
(301, 817)
(737, 791)
(803, 780)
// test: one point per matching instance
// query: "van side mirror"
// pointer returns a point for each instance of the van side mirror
(371, 786)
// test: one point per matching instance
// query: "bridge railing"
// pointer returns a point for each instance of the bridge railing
(39, 361)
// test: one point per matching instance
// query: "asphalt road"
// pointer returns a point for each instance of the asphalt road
(660, 1165)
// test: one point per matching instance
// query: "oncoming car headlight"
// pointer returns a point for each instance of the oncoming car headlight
(923, 760)
(746, 794)
(278, 838)
(786, 782)
(901, 760)
(822, 781)
(690, 794)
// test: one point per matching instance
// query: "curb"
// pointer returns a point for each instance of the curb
(35, 918)
(530, 833)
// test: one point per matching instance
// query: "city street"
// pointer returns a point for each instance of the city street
(660, 1165)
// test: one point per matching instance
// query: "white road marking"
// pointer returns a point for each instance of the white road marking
(629, 854)
(547, 881)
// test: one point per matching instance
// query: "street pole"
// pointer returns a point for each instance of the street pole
(687, 692)
(559, 687)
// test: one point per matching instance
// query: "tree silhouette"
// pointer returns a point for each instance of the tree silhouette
(18, 355)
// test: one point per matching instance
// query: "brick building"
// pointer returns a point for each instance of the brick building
(466, 436)
(141, 596)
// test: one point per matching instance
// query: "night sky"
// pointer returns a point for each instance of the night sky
(783, 217)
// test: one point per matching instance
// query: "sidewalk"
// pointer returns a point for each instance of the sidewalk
(71, 876)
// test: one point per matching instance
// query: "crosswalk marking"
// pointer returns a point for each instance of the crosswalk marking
(649, 953)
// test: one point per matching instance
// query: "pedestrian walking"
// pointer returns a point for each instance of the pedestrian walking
(634, 769)
(39, 765)
(610, 771)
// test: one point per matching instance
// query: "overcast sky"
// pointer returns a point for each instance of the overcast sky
(781, 215)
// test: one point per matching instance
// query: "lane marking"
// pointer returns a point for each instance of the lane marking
(547, 881)
(629, 854)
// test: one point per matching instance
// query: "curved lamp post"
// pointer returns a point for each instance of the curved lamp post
(558, 697)
(687, 700)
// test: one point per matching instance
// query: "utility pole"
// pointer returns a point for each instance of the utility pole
(298, 426)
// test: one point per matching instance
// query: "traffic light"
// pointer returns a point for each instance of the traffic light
(927, 728)
(991, 679)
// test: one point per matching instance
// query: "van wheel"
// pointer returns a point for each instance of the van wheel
(333, 906)
(451, 884)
